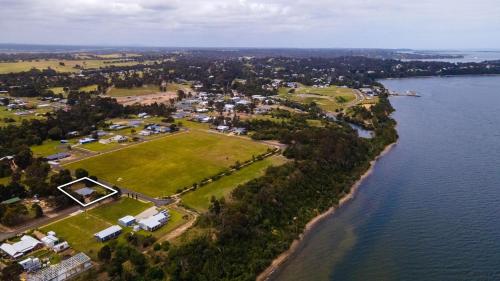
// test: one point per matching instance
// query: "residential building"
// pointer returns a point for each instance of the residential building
(19, 249)
(155, 222)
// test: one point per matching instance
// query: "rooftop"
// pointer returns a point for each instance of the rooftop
(108, 231)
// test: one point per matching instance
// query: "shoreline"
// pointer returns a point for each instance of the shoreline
(283, 257)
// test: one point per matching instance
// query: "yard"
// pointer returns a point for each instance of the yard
(162, 166)
(79, 230)
(200, 198)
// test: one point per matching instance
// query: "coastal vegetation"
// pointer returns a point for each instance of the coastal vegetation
(266, 214)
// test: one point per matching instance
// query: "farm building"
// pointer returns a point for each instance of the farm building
(154, 222)
(63, 270)
(108, 233)
(126, 221)
(57, 156)
(18, 249)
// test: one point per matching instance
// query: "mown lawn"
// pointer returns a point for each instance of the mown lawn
(99, 147)
(79, 230)
(162, 166)
(329, 99)
(200, 198)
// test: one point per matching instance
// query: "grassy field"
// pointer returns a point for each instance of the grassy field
(79, 230)
(49, 147)
(145, 90)
(329, 99)
(138, 91)
(161, 166)
(100, 147)
(200, 198)
(69, 65)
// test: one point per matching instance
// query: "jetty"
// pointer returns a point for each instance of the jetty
(405, 94)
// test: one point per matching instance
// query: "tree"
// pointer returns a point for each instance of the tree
(55, 133)
(104, 253)
(12, 272)
(37, 210)
(219, 107)
(23, 158)
(81, 173)
(180, 94)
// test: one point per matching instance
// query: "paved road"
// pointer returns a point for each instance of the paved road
(157, 201)
(39, 222)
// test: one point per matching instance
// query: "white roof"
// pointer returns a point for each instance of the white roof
(26, 244)
(108, 231)
(50, 239)
(154, 221)
(127, 219)
(150, 222)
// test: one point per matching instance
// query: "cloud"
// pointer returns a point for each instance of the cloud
(300, 23)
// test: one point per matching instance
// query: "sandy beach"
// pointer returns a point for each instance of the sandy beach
(278, 261)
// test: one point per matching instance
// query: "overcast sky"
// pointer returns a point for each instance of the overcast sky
(254, 23)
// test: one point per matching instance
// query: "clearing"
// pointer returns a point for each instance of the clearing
(330, 98)
(162, 166)
(200, 198)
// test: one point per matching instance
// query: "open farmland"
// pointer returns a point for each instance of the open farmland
(69, 65)
(146, 90)
(162, 166)
(79, 230)
(329, 98)
(200, 198)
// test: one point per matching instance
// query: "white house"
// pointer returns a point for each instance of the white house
(154, 222)
(18, 249)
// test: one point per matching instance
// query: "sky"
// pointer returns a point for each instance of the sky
(416, 24)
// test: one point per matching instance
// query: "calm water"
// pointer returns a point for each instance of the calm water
(431, 208)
